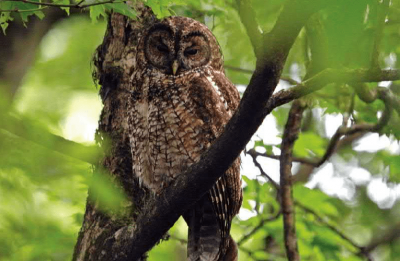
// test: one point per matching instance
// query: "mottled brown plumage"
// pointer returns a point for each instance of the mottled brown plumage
(180, 103)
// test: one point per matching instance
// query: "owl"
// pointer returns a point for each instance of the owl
(180, 102)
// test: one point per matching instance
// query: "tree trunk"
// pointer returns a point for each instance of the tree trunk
(105, 236)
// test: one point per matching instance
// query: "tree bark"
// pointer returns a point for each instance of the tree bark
(103, 236)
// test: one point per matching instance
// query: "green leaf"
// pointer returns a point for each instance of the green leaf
(24, 8)
(96, 11)
(315, 200)
(5, 17)
(107, 194)
(309, 142)
(122, 8)
(64, 2)
(161, 8)
(261, 255)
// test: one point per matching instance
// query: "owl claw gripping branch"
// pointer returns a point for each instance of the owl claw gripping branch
(184, 101)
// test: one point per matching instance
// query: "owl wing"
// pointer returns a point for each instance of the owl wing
(226, 198)
(226, 194)
(216, 99)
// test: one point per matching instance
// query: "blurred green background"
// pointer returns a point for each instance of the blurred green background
(43, 190)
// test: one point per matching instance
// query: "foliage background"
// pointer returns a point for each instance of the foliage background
(43, 192)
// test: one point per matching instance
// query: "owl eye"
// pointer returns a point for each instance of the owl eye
(162, 48)
(190, 51)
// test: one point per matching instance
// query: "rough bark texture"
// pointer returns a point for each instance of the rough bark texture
(104, 236)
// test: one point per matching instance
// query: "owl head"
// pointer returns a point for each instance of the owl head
(178, 45)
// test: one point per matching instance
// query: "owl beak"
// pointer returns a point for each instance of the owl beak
(175, 66)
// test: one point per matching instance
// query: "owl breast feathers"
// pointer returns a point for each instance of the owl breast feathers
(180, 103)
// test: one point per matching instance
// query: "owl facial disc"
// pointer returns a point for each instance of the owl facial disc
(174, 50)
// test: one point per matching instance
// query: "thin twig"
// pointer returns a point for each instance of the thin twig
(258, 227)
(277, 157)
(326, 223)
(254, 155)
(16, 10)
(362, 251)
(77, 5)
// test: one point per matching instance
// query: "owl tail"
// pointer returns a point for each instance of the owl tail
(204, 240)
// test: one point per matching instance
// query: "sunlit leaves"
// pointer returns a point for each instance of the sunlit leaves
(43, 191)
(37, 207)
(65, 53)
(267, 12)
(219, 25)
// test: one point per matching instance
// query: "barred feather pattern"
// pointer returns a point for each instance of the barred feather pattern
(173, 118)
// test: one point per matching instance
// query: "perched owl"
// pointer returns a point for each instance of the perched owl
(180, 103)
